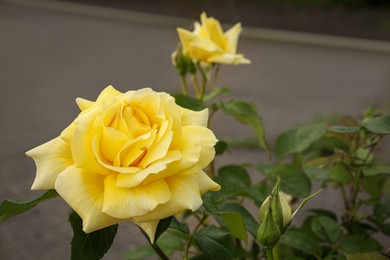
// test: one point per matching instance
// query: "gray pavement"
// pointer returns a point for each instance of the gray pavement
(47, 59)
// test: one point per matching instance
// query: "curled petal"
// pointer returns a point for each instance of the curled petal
(84, 192)
(84, 104)
(190, 117)
(132, 202)
(206, 183)
(51, 159)
(228, 58)
(149, 228)
(185, 196)
(82, 149)
(232, 36)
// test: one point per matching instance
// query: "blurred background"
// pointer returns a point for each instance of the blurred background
(309, 59)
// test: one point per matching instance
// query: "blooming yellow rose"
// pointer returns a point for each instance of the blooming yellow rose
(129, 156)
(208, 43)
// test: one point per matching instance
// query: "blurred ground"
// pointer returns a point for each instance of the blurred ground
(48, 58)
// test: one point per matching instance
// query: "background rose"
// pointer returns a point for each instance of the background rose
(208, 43)
(129, 156)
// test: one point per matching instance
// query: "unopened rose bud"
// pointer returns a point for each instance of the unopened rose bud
(182, 63)
(281, 210)
(268, 234)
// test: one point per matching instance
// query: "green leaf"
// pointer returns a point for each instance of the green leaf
(339, 173)
(382, 211)
(359, 244)
(163, 225)
(325, 229)
(246, 113)
(169, 243)
(297, 140)
(294, 180)
(318, 173)
(378, 125)
(236, 174)
(200, 256)
(374, 185)
(250, 223)
(376, 170)
(361, 229)
(235, 181)
(324, 212)
(189, 102)
(344, 129)
(220, 147)
(232, 219)
(10, 208)
(90, 246)
(182, 227)
(236, 225)
(365, 256)
(322, 161)
(301, 241)
(215, 243)
(139, 253)
(217, 92)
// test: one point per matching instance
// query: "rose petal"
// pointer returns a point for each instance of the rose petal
(83, 191)
(205, 144)
(150, 174)
(108, 93)
(214, 30)
(228, 58)
(149, 228)
(131, 202)
(112, 142)
(190, 117)
(84, 104)
(231, 37)
(185, 195)
(82, 150)
(206, 183)
(51, 159)
(160, 147)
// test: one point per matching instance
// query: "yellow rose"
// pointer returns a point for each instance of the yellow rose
(208, 43)
(129, 156)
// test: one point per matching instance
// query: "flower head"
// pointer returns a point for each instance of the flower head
(208, 43)
(129, 156)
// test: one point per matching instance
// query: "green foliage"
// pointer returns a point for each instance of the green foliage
(216, 92)
(215, 243)
(378, 125)
(302, 241)
(325, 228)
(170, 242)
(365, 256)
(297, 140)
(295, 181)
(359, 244)
(90, 246)
(246, 113)
(10, 208)
(163, 225)
(189, 102)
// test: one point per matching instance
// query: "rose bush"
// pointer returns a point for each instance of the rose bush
(208, 43)
(129, 156)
